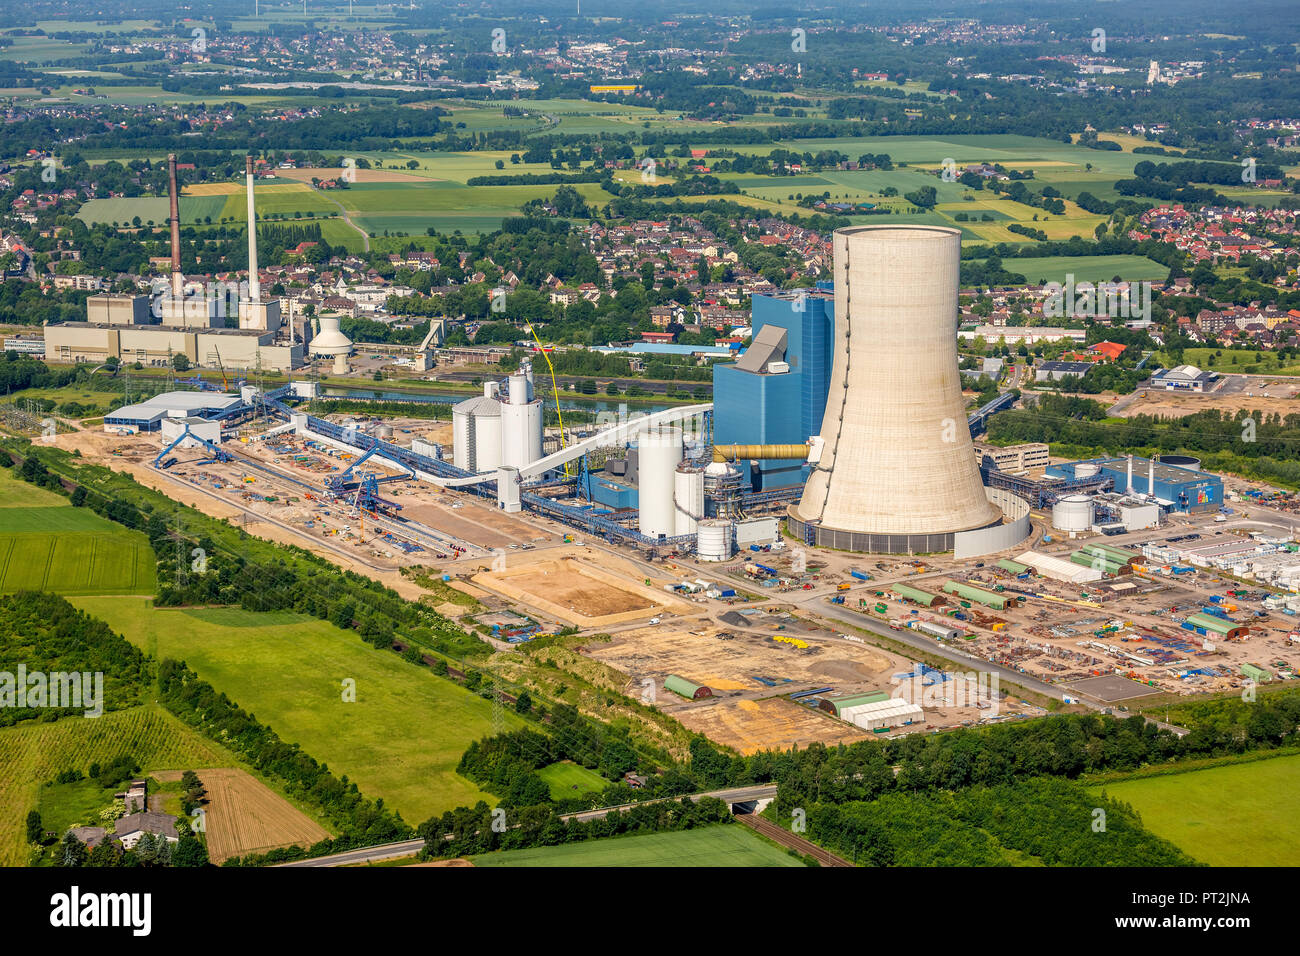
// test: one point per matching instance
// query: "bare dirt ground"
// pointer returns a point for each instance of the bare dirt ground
(1180, 405)
(729, 659)
(580, 587)
(212, 189)
(98, 447)
(581, 595)
(774, 723)
(245, 816)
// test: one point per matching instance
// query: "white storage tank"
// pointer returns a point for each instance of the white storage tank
(713, 540)
(476, 434)
(1087, 470)
(1072, 513)
(659, 451)
(521, 420)
(688, 495)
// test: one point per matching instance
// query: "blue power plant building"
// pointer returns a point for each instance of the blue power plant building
(1175, 488)
(775, 394)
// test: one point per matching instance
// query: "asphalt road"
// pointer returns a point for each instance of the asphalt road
(912, 639)
(389, 851)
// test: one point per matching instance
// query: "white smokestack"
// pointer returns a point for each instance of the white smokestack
(254, 285)
(1151, 480)
(1128, 488)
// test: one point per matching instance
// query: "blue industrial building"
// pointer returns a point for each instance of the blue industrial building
(1176, 489)
(776, 393)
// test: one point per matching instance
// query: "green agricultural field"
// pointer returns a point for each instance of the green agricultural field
(274, 199)
(400, 740)
(720, 845)
(1232, 360)
(33, 752)
(47, 545)
(568, 780)
(1087, 268)
(15, 493)
(1245, 814)
(194, 209)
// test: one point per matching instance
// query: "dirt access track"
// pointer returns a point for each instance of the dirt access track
(577, 591)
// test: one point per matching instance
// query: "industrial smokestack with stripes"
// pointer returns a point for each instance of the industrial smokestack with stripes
(254, 285)
(174, 218)
(897, 472)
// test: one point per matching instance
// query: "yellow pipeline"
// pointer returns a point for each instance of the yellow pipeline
(747, 452)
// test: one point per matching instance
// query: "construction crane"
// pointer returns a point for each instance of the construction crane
(217, 453)
(339, 482)
(225, 381)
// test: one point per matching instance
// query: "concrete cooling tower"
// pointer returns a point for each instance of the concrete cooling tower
(897, 472)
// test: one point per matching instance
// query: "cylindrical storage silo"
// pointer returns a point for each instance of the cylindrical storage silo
(713, 540)
(462, 436)
(658, 453)
(688, 495)
(487, 436)
(1086, 470)
(1072, 513)
(518, 389)
(521, 432)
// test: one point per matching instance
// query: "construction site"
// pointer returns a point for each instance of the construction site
(764, 593)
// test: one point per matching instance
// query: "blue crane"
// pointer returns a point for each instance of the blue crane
(217, 453)
(345, 479)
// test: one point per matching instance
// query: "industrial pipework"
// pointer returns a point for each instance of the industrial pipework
(761, 452)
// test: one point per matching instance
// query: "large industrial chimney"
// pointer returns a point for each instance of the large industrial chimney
(178, 281)
(254, 286)
(897, 472)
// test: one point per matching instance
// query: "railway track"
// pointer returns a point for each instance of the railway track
(790, 840)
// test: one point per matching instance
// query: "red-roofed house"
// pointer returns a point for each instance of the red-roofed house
(1110, 350)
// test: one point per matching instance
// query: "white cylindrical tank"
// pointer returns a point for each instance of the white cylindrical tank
(462, 438)
(519, 389)
(688, 497)
(713, 540)
(1072, 513)
(476, 434)
(659, 452)
(521, 428)
(487, 440)
(1087, 470)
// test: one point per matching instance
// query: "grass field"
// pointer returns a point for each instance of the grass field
(1233, 360)
(1088, 268)
(721, 845)
(400, 740)
(1245, 814)
(568, 780)
(48, 545)
(33, 753)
